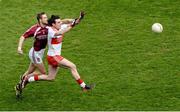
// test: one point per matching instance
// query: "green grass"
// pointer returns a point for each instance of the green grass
(133, 68)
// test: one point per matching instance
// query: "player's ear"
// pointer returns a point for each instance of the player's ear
(39, 20)
(53, 24)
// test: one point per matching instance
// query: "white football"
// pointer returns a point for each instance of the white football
(157, 27)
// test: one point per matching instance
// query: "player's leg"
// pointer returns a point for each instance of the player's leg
(68, 64)
(39, 63)
(34, 76)
(41, 68)
(18, 87)
(50, 77)
(52, 72)
(36, 59)
(52, 68)
(32, 66)
(30, 70)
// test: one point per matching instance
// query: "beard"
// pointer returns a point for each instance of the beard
(45, 23)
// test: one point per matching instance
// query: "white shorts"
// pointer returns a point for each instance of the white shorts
(36, 56)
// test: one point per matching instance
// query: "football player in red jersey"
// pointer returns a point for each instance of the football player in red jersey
(39, 33)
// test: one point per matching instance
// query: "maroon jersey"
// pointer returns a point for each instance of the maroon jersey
(40, 35)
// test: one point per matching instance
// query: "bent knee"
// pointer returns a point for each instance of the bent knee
(43, 72)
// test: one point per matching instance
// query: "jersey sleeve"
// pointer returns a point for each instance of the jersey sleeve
(64, 27)
(30, 32)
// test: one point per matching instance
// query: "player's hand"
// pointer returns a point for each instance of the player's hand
(81, 16)
(78, 20)
(20, 51)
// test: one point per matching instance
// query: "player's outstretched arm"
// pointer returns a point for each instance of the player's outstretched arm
(71, 25)
(61, 32)
(81, 16)
(67, 21)
(78, 20)
(20, 44)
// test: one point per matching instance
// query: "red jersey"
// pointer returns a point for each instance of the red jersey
(40, 35)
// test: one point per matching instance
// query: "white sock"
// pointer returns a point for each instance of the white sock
(83, 85)
(31, 79)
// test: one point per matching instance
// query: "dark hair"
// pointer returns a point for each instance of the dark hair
(39, 15)
(52, 19)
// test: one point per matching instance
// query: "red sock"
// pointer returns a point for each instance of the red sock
(81, 83)
(36, 78)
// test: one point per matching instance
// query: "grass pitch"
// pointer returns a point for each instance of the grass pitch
(114, 47)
